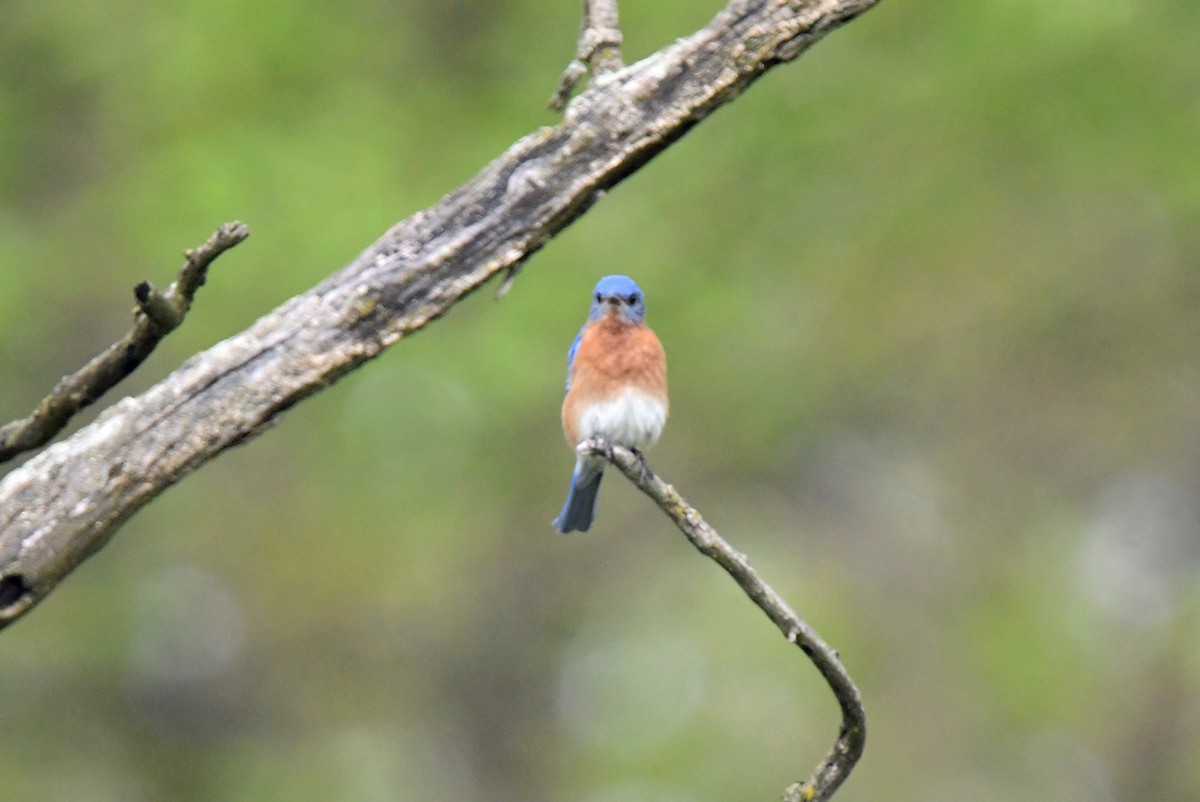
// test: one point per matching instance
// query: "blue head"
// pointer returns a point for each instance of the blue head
(618, 293)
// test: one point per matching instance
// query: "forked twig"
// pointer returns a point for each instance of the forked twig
(598, 50)
(156, 314)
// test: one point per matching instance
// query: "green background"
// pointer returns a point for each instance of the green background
(931, 302)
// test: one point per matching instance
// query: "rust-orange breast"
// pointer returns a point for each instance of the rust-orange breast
(613, 356)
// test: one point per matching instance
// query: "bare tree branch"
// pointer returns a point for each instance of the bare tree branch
(598, 50)
(837, 765)
(66, 502)
(156, 315)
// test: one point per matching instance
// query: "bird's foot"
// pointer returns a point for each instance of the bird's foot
(605, 447)
(644, 472)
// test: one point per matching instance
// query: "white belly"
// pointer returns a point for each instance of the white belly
(633, 419)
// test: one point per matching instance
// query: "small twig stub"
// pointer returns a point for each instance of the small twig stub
(598, 50)
(157, 314)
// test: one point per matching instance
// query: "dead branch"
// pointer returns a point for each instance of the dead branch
(832, 771)
(66, 502)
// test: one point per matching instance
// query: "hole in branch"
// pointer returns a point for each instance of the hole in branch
(12, 589)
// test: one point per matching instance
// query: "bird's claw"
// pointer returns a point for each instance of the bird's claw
(605, 448)
(644, 472)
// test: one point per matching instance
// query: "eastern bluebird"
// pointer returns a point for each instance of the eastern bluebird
(616, 389)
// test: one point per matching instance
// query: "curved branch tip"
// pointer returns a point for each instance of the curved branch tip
(832, 771)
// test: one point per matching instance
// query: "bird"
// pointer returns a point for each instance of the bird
(616, 389)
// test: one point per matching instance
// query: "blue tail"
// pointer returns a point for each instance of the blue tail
(580, 507)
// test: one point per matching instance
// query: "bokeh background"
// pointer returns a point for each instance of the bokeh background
(932, 304)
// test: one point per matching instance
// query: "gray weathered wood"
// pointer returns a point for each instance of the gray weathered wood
(67, 501)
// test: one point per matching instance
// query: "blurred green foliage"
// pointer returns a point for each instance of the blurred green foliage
(932, 306)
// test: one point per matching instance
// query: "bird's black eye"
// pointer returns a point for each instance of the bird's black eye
(599, 297)
(633, 299)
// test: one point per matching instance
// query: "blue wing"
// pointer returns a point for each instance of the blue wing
(571, 358)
